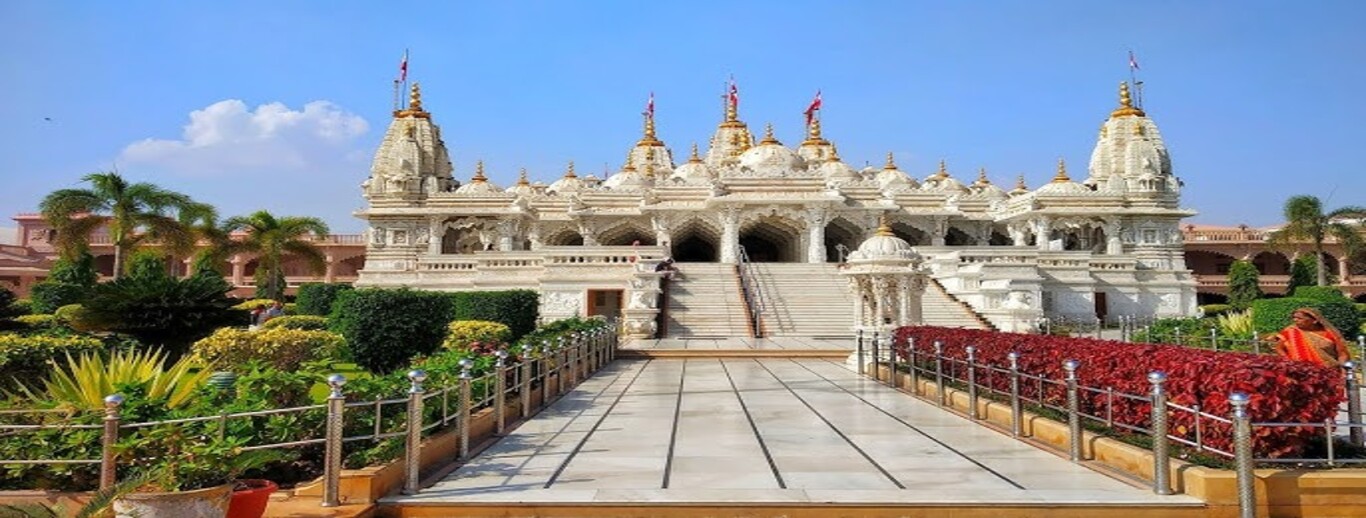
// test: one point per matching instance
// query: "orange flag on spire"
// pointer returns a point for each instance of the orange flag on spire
(811, 109)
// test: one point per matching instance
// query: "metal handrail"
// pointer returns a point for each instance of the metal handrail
(749, 290)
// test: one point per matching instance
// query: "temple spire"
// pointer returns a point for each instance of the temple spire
(521, 178)
(943, 171)
(884, 226)
(649, 138)
(694, 158)
(569, 173)
(891, 162)
(768, 136)
(982, 177)
(732, 102)
(1020, 183)
(1126, 103)
(414, 108)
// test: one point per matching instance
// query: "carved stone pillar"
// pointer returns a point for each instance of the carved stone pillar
(507, 231)
(941, 228)
(434, 236)
(903, 302)
(330, 274)
(239, 269)
(1113, 244)
(1042, 232)
(880, 299)
(730, 235)
(815, 248)
(1344, 272)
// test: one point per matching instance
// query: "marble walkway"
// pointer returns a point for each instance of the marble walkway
(736, 343)
(763, 430)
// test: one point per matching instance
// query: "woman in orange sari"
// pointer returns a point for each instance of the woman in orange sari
(1311, 338)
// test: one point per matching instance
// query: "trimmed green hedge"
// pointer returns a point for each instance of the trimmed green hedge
(384, 329)
(1271, 315)
(316, 298)
(300, 322)
(1211, 310)
(1319, 292)
(517, 309)
(28, 359)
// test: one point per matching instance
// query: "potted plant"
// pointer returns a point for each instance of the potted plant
(249, 498)
(191, 475)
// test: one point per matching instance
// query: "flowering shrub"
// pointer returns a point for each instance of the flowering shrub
(1281, 390)
(251, 304)
(303, 322)
(464, 333)
(281, 348)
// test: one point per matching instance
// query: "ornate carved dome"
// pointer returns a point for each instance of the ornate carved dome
(835, 170)
(479, 184)
(1020, 187)
(1128, 147)
(983, 187)
(884, 245)
(568, 183)
(695, 170)
(1062, 185)
(940, 181)
(891, 178)
(628, 179)
(771, 157)
(523, 186)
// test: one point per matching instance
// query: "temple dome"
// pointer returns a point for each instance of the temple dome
(523, 186)
(771, 155)
(891, 178)
(983, 187)
(835, 170)
(568, 183)
(479, 184)
(1062, 185)
(694, 170)
(884, 245)
(940, 181)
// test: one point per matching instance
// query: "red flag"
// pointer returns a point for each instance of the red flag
(650, 106)
(734, 94)
(811, 109)
(403, 68)
(1133, 62)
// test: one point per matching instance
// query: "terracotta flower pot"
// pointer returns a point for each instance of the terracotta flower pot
(201, 503)
(250, 498)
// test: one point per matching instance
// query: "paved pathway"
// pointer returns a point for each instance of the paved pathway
(736, 343)
(762, 430)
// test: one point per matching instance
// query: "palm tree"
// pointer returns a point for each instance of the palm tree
(133, 213)
(202, 220)
(1305, 220)
(271, 238)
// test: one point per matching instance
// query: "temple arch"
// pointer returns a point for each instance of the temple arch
(912, 235)
(695, 241)
(957, 237)
(565, 237)
(841, 232)
(1271, 263)
(458, 240)
(772, 239)
(627, 232)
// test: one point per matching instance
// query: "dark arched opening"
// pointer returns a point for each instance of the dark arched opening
(772, 240)
(841, 237)
(694, 249)
(956, 237)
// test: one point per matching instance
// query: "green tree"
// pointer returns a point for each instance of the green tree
(69, 282)
(1243, 284)
(1306, 221)
(271, 238)
(1303, 271)
(133, 212)
(213, 237)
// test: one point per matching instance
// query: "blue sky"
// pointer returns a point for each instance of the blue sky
(279, 104)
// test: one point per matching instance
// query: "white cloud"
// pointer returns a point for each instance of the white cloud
(227, 137)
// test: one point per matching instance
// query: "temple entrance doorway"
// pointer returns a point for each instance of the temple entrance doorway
(695, 241)
(772, 240)
(841, 237)
(606, 303)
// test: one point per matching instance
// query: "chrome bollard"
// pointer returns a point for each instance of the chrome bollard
(939, 373)
(332, 461)
(1356, 434)
(500, 391)
(412, 454)
(972, 382)
(466, 413)
(1016, 410)
(862, 369)
(1242, 455)
(1161, 453)
(1073, 410)
(108, 471)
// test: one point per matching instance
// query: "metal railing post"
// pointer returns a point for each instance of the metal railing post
(561, 359)
(939, 372)
(546, 362)
(1356, 434)
(1242, 455)
(500, 393)
(1214, 339)
(466, 413)
(108, 471)
(526, 379)
(1016, 409)
(332, 461)
(910, 365)
(1161, 455)
(891, 362)
(859, 355)
(1073, 410)
(877, 357)
(972, 382)
(413, 447)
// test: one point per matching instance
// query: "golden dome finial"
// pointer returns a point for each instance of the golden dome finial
(834, 153)
(1020, 183)
(943, 171)
(1062, 172)
(1126, 103)
(768, 135)
(569, 173)
(884, 226)
(891, 162)
(415, 98)
(982, 177)
(650, 169)
(813, 131)
(694, 158)
(479, 172)
(521, 178)
(629, 165)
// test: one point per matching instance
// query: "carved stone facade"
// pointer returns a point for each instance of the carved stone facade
(1056, 250)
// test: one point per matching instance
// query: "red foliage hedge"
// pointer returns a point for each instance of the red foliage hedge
(1282, 391)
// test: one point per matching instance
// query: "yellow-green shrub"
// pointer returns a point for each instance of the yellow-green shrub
(304, 322)
(282, 348)
(255, 303)
(38, 321)
(462, 333)
(27, 357)
(73, 315)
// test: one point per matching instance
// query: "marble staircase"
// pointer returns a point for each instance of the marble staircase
(940, 308)
(703, 300)
(799, 299)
